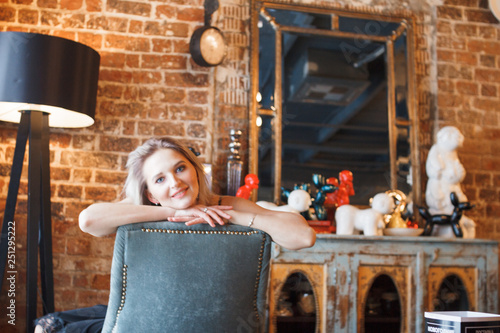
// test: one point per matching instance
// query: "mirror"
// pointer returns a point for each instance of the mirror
(332, 90)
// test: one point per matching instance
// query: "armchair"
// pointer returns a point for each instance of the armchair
(167, 277)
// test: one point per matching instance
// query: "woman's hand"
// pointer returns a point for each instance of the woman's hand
(202, 214)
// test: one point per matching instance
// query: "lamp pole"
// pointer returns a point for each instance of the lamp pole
(35, 126)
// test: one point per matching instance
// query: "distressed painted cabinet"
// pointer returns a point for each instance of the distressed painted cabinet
(381, 283)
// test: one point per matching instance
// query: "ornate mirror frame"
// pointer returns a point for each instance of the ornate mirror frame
(406, 26)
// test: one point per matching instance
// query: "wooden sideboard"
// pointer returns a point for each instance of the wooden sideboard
(381, 283)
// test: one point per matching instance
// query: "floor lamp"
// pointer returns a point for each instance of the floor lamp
(45, 81)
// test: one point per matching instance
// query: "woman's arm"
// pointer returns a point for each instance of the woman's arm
(289, 230)
(102, 219)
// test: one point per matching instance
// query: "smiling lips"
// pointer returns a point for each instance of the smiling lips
(179, 194)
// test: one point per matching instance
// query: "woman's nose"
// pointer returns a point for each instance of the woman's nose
(174, 180)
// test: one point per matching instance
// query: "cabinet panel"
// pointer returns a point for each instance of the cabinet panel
(467, 276)
(314, 273)
(366, 277)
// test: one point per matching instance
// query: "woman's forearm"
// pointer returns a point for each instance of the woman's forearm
(289, 230)
(102, 219)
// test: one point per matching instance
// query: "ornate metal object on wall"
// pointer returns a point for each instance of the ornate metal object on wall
(332, 90)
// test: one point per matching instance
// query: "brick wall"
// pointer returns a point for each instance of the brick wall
(149, 85)
(468, 81)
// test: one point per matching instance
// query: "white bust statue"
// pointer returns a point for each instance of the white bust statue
(445, 173)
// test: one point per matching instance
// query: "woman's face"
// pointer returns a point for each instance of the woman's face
(171, 179)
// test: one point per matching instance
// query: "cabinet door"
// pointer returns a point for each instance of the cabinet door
(452, 288)
(381, 309)
(315, 274)
(386, 281)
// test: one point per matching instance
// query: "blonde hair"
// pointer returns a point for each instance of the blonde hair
(135, 185)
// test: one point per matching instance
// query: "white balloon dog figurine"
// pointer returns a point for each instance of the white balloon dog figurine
(370, 221)
(298, 201)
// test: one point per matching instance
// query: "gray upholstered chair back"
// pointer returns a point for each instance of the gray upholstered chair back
(167, 277)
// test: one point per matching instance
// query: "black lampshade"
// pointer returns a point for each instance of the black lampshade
(50, 74)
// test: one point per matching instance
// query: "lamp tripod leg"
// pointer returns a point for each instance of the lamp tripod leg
(45, 241)
(34, 216)
(10, 206)
(39, 218)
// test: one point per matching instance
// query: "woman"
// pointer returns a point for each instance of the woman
(167, 182)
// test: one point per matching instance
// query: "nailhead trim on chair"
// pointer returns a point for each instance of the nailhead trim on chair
(259, 270)
(124, 291)
(202, 232)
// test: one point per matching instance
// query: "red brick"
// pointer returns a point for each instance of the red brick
(93, 5)
(484, 104)
(27, 16)
(483, 46)
(164, 61)
(482, 16)
(162, 45)
(467, 88)
(59, 173)
(92, 40)
(126, 43)
(488, 75)
(81, 281)
(115, 144)
(187, 80)
(114, 177)
(187, 112)
(168, 95)
(47, 3)
(468, 30)
(132, 61)
(487, 60)
(78, 246)
(489, 90)
(71, 4)
(100, 281)
(50, 18)
(191, 14)
(165, 11)
(92, 160)
(128, 128)
(101, 193)
(69, 191)
(130, 7)
(82, 175)
(197, 130)
(444, 27)
(112, 59)
(107, 23)
(115, 75)
(198, 97)
(135, 27)
(466, 58)
(450, 13)
(454, 43)
(111, 91)
(146, 77)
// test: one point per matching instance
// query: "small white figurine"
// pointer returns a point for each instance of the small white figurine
(370, 221)
(298, 201)
(445, 173)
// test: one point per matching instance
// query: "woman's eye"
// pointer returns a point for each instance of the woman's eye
(180, 169)
(160, 180)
